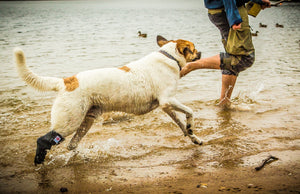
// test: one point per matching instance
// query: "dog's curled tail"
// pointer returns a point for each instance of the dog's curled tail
(38, 82)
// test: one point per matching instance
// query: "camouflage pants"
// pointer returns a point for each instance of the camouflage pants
(238, 45)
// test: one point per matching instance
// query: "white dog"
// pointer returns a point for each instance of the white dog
(137, 88)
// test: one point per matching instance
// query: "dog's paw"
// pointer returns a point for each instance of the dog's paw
(41, 150)
(188, 126)
(40, 157)
(196, 140)
(45, 143)
(72, 146)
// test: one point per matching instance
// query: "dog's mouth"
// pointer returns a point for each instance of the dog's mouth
(197, 57)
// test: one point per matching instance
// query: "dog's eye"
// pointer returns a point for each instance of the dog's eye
(186, 50)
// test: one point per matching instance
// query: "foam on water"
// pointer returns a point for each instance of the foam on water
(97, 150)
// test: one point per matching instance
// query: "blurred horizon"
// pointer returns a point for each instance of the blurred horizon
(174, 4)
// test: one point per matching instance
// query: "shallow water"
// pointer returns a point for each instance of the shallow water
(63, 38)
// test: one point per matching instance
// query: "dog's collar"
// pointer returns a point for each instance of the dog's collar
(170, 57)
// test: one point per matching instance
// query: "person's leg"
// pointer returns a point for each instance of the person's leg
(204, 63)
(231, 66)
(228, 82)
(219, 19)
(214, 62)
(221, 22)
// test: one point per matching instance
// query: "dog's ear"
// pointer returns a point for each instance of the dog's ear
(161, 41)
(183, 47)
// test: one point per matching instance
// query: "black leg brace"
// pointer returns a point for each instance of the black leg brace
(45, 143)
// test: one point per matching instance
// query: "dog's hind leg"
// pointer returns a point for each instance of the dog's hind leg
(80, 133)
(66, 116)
(84, 127)
(170, 106)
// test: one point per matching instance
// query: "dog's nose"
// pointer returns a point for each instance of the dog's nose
(198, 56)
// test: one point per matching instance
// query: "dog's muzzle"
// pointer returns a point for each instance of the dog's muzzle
(198, 56)
(45, 143)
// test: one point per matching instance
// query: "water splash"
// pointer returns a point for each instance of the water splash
(260, 87)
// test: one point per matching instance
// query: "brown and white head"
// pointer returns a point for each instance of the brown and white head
(185, 48)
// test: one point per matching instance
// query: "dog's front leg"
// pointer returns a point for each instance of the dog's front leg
(172, 105)
(167, 109)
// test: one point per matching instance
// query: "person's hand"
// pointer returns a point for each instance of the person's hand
(236, 26)
(266, 4)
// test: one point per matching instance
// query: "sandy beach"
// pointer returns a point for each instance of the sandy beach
(220, 165)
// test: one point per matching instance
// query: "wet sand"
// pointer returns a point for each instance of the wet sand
(272, 179)
(148, 154)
